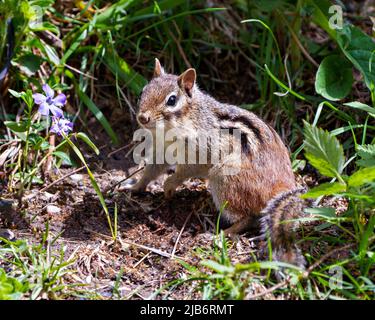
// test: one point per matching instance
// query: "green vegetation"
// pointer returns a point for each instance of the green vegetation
(281, 59)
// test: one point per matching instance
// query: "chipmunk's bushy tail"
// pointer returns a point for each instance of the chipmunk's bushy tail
(277, 227)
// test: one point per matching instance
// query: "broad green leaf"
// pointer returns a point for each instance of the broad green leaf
(367, 155)
(86, 139)
(361, 106)
(29, 63)
(16, 94)
(361, 177)
(37, 142)
(322, 212)
(63, 156)
(359, 48)
(52, 54)
(334, 78)
(16, 126)
(325, 189)
(45, 26)
(324, 167)
(110, 15)
(323, 150)
(37, 180)
(11, 288)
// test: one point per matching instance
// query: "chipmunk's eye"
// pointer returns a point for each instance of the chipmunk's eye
(172, 100)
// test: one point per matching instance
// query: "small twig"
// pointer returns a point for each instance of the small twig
(179, 235)
(180, 50)
(130, 150)
(302, 48)
(154, 250)
(80, 72)
(119, 149)
(140, 261)
(60, 179)
(269, 290)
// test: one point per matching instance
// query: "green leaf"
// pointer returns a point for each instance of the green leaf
(29, 63)
(16, 126)
(124, 72)
(11, 288)
(361, 106)
(325, 189)
(63, 156)
(359, 48)
(323, 150)
(52, 54)
(322, 212)
(334, 78)
(111, 14)
(37, 142)
(37, 180)
(45, 26)
(87, 140)
(361, 177)
(367, 155)
(16, 94)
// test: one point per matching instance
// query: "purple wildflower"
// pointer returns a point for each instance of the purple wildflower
(47, 103)
(61, 126)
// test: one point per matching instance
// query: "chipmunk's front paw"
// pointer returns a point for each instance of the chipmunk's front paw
(134, 186)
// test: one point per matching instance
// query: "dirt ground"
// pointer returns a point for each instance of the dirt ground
(154, 232)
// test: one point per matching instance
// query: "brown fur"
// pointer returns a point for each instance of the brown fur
(265, 170)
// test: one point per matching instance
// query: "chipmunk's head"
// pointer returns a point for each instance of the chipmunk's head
(166, 98)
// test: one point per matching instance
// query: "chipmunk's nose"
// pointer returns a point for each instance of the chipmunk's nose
(143, 119)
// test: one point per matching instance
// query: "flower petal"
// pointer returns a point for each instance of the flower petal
(60, 100)
(54, 128)
(39, 98)
(44, 109)
(61, 126)
(70, 125)
(57, 112)
(48, 91)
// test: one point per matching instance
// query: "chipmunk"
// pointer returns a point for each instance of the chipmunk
(262, 192)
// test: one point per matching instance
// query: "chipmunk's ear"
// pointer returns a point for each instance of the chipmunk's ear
(186, 80)
(158, 70)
